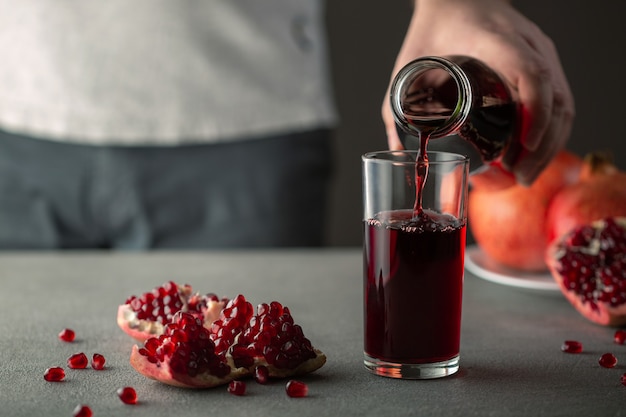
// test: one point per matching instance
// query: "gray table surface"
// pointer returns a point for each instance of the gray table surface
(511, 362)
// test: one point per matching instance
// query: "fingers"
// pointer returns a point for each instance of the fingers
(393, 140)
(536, 97)
(546, 116)
(532, 162)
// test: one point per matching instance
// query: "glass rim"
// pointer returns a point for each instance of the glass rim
(442, 157)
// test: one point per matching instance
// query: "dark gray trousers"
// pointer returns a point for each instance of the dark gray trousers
(267, 192)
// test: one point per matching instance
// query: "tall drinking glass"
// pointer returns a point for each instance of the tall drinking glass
(414, 244)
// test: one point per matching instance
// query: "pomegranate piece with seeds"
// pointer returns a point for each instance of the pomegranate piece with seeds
(97, 362)
(270, 339)
(82, 411)
(608, 360)
(572, 346)
(54, 374)
(128, 395)
(237, 344)
(296, 389)
(78, 361)
(145, 316)
(237, 387)
(184, 355)
(67, 335)
(589, 264)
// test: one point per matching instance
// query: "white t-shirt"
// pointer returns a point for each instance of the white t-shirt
(162, 72)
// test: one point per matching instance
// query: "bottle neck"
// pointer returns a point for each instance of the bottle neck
(431, 96)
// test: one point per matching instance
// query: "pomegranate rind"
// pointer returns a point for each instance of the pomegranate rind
(140, 330)
(306, 367)
(212, 311)
(599, 312)
(163, 373)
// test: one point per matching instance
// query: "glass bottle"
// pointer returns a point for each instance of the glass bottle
(434, 97)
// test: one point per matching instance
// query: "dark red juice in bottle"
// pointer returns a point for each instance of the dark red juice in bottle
(413, 288)
(455, 95)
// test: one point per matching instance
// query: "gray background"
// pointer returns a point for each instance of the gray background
(365, 38)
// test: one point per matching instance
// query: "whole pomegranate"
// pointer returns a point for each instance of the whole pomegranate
(599, 192)
(589, 264)
(510, 224)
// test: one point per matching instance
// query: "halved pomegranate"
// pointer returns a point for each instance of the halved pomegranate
(188, 354)
(589, 264)
(145, 316)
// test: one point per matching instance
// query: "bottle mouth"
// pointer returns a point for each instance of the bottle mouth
(430, 95)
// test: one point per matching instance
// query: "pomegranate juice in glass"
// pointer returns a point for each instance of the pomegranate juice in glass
(414, 243)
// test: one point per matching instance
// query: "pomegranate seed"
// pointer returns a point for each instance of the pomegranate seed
(276, 309)
(128, 395)
(97, 362)
(296, 389)
(67, 335)
(261, 374)
(54, 374)
(608, 360)
(78, 361)
(620, 337)
(237, 387)
(572, 346)
(623, 379)
(82, 411)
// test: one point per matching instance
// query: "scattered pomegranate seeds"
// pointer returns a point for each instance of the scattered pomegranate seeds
(128, 395)
(67, 335)
(54, 374)
(620, 337)
(608, 360)
(237, 387)
(78, 361)
(572, 346)
(296, 389)
(97, 362)
(82, 411)
(261, 374)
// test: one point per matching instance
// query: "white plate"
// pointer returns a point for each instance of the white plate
(480, 265)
